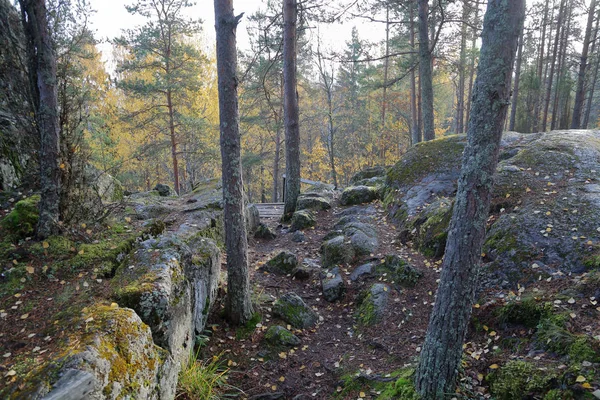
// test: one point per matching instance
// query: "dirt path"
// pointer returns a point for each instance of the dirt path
(336, 349)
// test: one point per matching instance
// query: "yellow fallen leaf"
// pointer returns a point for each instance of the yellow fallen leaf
(282, 355)
(80, 252)
(127, 219)
(274, 387)
(30, 270)
(586, 385)
(83, 226)
(12, 372)
(476, 305)
(62, 166)
(580, 379)
(362, 395)
(88, 231)
(282, 379)
(494, 366)
(114, 305)
(527, 190)
(24, 316)
(45, 245)
(507, 195)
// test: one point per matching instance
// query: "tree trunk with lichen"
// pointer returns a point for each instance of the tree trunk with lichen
(42, 65)
(290, 109)
(239, 305)
(442, 351)
(425, 74)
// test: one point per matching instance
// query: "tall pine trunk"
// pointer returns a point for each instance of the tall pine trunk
(462, 66)
(472, 66)
(515, 95)
(540, 65)
(42, 65)
(290, 108)
(414, 114)
(425, 74)
(580, 93)
(590, 100)
(239, 305)
(442, 351)
(552, 66)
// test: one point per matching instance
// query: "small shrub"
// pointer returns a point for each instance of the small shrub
(518, 378)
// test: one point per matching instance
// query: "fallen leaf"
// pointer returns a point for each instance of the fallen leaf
(24, 316)
(580, 379)
(45, 245)
(494, 366)
(30, 270)
(282, 379)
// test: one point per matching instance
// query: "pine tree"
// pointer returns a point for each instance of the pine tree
(449, 320)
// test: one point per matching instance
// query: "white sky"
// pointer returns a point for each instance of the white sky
(111, 17)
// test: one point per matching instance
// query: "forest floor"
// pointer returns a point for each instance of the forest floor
(336, 349)
(338, 358)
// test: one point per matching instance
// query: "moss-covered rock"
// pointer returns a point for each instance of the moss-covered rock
(264, 232)
(358, 195)
(336, 251)
(252, 218)
(21, 221)
(368, 173)
(527, 312)
(518, 379)
(312, 202)
(373, 305)
(398, 270)
(302, 219)
(333, 285)
(277, 335)
(543, 190)
(112, 356)
(292, 309)
(284, 263)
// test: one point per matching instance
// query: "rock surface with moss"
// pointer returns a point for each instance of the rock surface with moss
(277, 335)
(115, 357)
(354, 195)
(302, 219)
(544, 209)
(373, 305)
(284, 263)
(292, 309)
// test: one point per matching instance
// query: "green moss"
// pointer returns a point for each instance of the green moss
(215, 232)
(399, 271)
(582, 350)
(553, 335)
(559, 394)
(396, 385)
(516, 379)
(58, 246)
(426, 158)
(103, 255)
(243, 332)
(365, 314)
(21, 221)
(527, 312)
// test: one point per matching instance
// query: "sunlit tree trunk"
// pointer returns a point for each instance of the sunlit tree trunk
(515, 94)
(442, 351)
(42, 64)
(239, 305)
(580, 93)
(414, 117)
(552, 66)
(290, 108)
(425, 74)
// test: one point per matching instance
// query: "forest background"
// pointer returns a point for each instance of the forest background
(149, 114)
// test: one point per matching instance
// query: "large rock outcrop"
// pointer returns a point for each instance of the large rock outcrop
(545, 207)
(163, 288)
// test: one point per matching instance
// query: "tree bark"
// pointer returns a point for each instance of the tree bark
(560, 73)
(515, 95)
(462, 66)
(290, 109)
(386, 67)
(441, 355)
(580, 93)
(540, 65)
(472, 66)
(552, 66)
(42, 63)
(239, 305)
(592, 86)
(414, 117)
(173, 138)
(425, 74)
